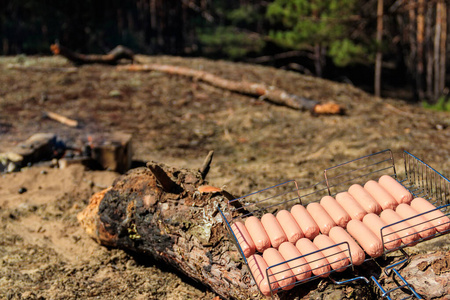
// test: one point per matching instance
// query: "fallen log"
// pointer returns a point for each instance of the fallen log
(265, 92)
(268, 93)
(111, 58)
(158, 211)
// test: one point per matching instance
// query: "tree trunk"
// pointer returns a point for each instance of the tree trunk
(443, 49)
(379, 56)
(420, 40)
(437, 40)
(413, 46)
(318, 59)
(429, 52)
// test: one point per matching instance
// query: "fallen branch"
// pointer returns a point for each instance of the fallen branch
(269, 93)
(60, 118)
(111, 58)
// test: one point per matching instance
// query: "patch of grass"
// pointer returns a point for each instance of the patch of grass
(442, 104)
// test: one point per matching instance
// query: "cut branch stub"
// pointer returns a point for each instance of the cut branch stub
(168, 185)
(206, 164)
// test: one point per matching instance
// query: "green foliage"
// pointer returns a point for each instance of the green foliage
(304, 23)
(442, 104)
(229, 41)
(243, 16)
(345, 51)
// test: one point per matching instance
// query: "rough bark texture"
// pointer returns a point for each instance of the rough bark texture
(181, 227)
(429, 274)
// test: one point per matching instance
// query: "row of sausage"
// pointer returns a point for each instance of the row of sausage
(294, 242)
(362, 204)
(293, 262)
(371, 233)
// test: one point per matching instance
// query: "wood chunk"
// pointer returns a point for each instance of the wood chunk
(113, 151)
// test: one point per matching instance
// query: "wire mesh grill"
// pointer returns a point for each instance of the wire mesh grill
(415, 175)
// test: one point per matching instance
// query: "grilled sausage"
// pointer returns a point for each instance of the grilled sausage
(401, 227)
(321, 217)
(298, 264)
(365, 237)
(317, 262)
(390, 239)
(257, 233)
(258, 267)
(335, 210)
(420, 223)
(433, 215)
(339, 235)
(243, 238)
(334, 255)
(305, 221)
(273, 230)
(380, 195)
(281, 270)
(290, 226)
(351, 206)
(363, 197)
(396, 189)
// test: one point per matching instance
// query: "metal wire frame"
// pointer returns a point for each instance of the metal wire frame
(420, 179)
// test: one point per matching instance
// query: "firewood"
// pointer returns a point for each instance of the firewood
(60, 118)
(158, 211)
(268, 93)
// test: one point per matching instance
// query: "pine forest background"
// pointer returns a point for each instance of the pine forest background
(379, 45)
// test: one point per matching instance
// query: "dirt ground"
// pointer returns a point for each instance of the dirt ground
(44, 253)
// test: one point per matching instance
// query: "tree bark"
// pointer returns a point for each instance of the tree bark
(172, 223)
(443, 48)
(379, 55)
(269, 93)
(413, 44)
(437, 41)
(420, 39)
(429, 52)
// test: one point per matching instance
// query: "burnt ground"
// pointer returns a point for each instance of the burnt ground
(44, 254)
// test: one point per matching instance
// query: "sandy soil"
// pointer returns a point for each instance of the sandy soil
(44, 253)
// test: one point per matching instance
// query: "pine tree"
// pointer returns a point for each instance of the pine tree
(321, 26)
